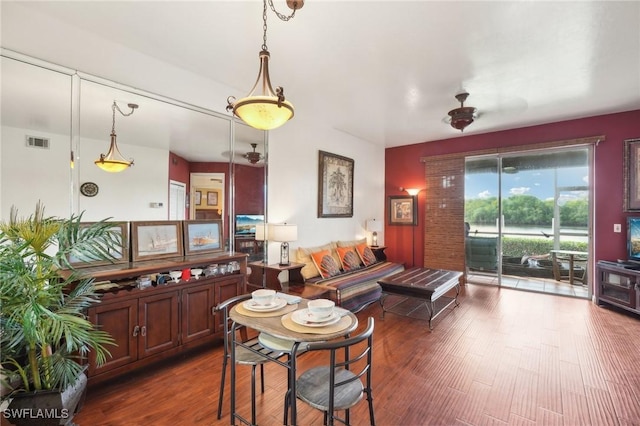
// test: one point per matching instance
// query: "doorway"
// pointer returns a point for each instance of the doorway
(528, 217)
(207, 196)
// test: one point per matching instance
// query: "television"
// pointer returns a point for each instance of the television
(246, 223)
(633, 239)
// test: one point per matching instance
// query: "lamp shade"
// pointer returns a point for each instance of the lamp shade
(283, 232)
(261, 232)
(374, 225)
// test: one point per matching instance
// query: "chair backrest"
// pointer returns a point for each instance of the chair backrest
(224, 308)
(357, 358)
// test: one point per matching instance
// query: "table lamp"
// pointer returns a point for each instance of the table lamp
(374, 226)
(283, 233)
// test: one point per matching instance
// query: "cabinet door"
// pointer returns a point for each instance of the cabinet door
(226, 289)
(197, 316)
(158, 319)
(118, 319)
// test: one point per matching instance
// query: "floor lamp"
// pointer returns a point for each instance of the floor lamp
(414, 194)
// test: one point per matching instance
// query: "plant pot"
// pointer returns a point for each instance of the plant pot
(47, 408)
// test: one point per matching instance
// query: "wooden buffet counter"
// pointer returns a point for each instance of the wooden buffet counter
(150, 324)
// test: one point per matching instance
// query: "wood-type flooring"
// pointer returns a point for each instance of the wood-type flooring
(503, 357)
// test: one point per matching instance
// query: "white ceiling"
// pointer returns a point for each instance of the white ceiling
(387, 71)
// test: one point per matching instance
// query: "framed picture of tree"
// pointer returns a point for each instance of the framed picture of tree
(335, 185)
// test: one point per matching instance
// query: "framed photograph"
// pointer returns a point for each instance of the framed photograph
(632, 175)
(156, 240)
(197, 199)
(212, 198)
(402, 210)
(202, 236)
(120, 254)
(335, 185)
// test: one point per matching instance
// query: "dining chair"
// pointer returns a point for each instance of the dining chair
(243, 356)
(339, 385)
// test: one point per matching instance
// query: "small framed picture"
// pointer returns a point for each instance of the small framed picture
(402, 210)
(632, 175)
(156, 240)
(197, 199)
(202, 236)
(120, 254)
(212, 198)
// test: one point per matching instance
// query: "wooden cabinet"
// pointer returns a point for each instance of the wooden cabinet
(153, 323)
(618, 284)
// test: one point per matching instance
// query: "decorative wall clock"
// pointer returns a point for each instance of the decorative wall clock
(89, 189)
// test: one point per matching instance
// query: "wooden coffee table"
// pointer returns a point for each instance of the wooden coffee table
(423, 283)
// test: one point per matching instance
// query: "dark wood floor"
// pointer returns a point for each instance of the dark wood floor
(501, 357)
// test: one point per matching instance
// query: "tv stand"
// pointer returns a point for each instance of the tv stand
(618, 284)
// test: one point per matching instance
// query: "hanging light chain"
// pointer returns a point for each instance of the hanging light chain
(278, 14)
(115, 107)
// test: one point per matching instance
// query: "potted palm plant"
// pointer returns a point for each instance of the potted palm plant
(45, 335)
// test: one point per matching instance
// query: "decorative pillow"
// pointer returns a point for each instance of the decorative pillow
(365, 253)
(349, 258)
(303, 255)
(352, 243)
(326, 264)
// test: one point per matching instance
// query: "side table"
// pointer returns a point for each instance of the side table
(271, 272)
(378, 252)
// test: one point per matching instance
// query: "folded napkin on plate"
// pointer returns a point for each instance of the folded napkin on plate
(291, 300)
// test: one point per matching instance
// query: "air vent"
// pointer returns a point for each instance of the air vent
(35, 142)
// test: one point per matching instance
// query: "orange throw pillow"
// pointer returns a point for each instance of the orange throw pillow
(365, 253)
(325, 263)
(349, 258)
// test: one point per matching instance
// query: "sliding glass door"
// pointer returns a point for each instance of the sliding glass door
(527, 215)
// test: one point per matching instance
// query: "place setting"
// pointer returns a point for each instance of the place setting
(321, 316)
(267, 303)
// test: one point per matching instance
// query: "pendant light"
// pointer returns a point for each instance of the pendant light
(263, 108)
(114, 161)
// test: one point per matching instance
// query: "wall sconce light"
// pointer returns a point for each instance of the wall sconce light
(374, 226)
(283, 233)
(262, 108)
(114, 161)
(411, 191)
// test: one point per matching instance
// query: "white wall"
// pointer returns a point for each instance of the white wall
(293, 184)
(128, 195)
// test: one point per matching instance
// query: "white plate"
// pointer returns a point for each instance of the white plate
(276, 343)
(303, 317)
(250, 305)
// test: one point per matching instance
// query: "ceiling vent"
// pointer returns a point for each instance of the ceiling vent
(35, 142)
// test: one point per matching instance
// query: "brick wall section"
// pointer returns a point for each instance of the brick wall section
(444, 212)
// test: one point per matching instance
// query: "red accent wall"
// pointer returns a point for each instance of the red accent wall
(404, 169)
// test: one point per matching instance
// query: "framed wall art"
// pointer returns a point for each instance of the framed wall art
(402, 210)
(197, 199)
(632, 175)
(202, 236)
(335, 185)
(120, 254)
(212, 198)
(156, 240)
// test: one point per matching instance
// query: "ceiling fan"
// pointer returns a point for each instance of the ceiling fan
(459, 118)
(253, 158)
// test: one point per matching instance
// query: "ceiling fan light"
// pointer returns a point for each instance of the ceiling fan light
(462, 117)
